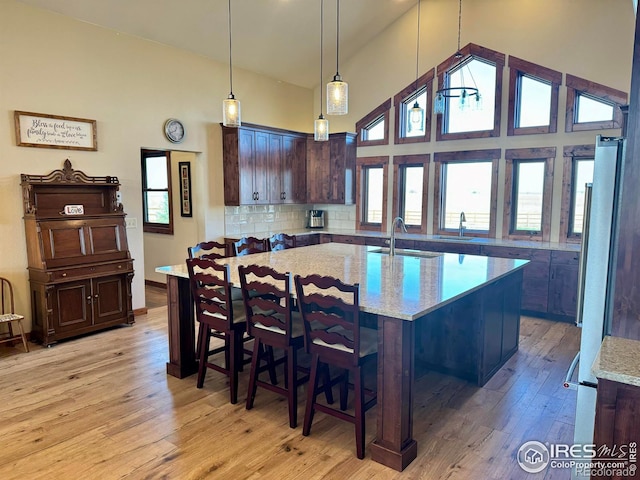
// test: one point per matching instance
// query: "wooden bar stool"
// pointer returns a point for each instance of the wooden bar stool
(271, 322)
(249, 245)
(8, 315)
(333, 336)
(216, 312)
(281, 241)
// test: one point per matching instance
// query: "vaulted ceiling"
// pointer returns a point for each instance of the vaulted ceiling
(277, 38)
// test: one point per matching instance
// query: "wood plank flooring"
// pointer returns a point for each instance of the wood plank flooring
(102, 406)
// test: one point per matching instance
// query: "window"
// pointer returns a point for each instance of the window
(529, 179)
(408, 129)
(591, 106)
(578, 170)
(371, 197)
(480, 68)
(156, 192)
(410, 173)
(533, 98)
(466, 182)
(373, 128)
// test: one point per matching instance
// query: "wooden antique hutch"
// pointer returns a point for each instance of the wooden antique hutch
(80, 269)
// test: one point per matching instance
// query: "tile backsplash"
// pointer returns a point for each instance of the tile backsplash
(249, 219)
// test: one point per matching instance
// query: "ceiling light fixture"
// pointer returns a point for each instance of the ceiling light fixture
(321, 125)
(462, 92)
(230, 106)
(337, 90)
(416, 114)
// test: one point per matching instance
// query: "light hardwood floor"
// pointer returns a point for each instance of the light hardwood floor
(102, 407)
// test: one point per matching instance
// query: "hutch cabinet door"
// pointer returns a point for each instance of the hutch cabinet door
(72, 304)
(109, 299)
(63, 242)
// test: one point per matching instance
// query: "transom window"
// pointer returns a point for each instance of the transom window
(373, 128)
(533, 98)
(463, 116)
(156, 191)
(591, 106)
(467, 114)
(466, 192)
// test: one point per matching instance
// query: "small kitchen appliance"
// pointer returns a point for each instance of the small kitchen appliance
(316, 219)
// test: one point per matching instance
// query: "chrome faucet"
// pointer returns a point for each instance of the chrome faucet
(461, 227)
(396, 221)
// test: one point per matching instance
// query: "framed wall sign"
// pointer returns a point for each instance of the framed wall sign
(55, 131)
(185, 189)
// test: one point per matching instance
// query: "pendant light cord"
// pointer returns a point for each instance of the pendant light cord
(418, 46)
(321, 42)
(230, 67)
(337, 34)
(459, 23)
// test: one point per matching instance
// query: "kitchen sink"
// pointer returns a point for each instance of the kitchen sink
(452, 238)
(407, 252)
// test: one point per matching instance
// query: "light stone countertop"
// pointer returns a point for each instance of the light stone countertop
(568, 247)
(402, 286)
(618, 360)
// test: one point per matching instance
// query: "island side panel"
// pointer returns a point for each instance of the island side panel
(394, 445)
(182, 361)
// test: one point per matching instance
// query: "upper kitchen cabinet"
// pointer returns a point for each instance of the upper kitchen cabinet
(263, 166)
(331, 169)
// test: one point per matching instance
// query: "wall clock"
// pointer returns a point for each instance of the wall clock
(174, 130)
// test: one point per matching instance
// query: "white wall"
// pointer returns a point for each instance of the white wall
(55, 65)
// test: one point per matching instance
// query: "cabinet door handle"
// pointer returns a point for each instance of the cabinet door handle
(95, 296)
(284, 195)
(89, 299)
(64, 274)
(257, 195)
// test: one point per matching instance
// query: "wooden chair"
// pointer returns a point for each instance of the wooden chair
(211, 250)
(272, 323)
(333, 336)
(8, 314)
(217, 313)
(249, 245)
(281, 241)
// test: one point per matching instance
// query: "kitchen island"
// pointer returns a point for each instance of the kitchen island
(455, 313)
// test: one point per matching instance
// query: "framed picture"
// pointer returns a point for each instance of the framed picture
(185, 189)
(55, 131)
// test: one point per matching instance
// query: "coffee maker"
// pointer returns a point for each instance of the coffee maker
(316, 219)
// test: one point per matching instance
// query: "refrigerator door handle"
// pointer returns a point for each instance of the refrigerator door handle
(572, 368)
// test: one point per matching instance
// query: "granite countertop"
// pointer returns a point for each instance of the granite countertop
(569, 247)
(401, 286)
(618, 360)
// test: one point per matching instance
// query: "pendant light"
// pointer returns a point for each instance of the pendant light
(416, 113)
(337, 90)
(230, 106)
(321, 125)
(463, 92)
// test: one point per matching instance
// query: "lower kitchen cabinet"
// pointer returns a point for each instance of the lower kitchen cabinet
(563, 283)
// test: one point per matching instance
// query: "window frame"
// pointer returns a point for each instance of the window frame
(400, 162)
(571, 154)
(577, 86)
(400, 99)
(514, 156)
(482, 54)
(470, 156)
(381, 111)
(363, 163)
(519, 68)
(150, 227)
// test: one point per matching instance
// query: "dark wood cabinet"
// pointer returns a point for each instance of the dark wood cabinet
(563, 283)
(331, 169)
(80, 269)
(617, 420)
(263, 166)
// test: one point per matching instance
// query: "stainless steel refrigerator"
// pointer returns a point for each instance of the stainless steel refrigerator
(597, 268)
